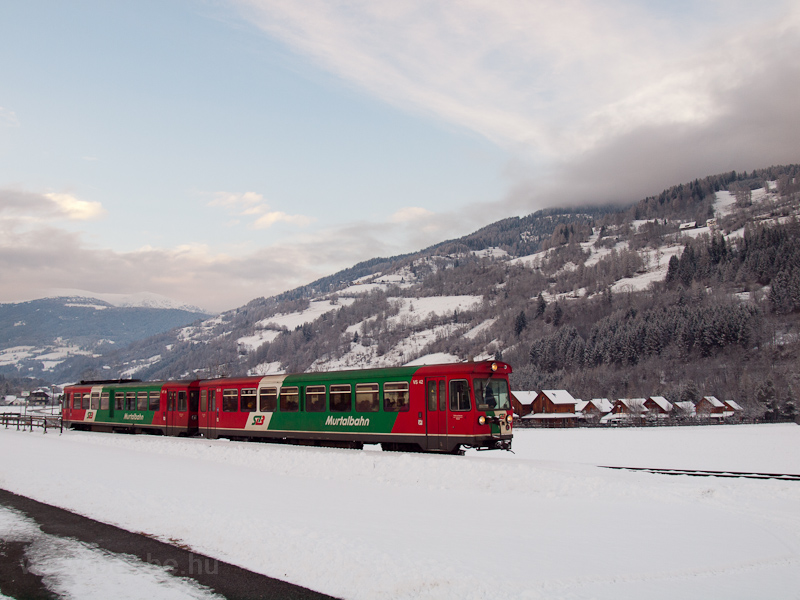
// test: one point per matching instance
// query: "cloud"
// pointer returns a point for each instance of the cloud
(34, 207)
(251, 204)
(411, 213)
(549, 79)
(76, 209)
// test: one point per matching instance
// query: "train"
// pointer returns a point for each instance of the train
(443, 408)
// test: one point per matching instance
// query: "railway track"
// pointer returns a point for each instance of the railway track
(698, 473)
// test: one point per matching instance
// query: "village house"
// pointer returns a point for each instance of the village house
(734, 410)
(553, 408)
(658, 406)
(627, 409)
(594, 409)
(521, 402)
(709, 407)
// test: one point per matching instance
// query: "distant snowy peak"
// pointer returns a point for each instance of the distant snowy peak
(138, 300)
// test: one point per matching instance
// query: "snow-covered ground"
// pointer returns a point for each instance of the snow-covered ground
(546, 522)
(73, 569)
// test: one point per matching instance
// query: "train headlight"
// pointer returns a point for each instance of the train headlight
(509, 418)
(494, 367)
(482, 420)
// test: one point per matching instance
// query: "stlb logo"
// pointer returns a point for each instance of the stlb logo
(258, 419)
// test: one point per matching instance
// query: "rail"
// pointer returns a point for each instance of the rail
(699, 473)
(25, 422)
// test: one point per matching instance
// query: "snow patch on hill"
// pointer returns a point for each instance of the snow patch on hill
(138, 300)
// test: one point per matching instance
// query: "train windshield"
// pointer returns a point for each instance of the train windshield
(492, 394)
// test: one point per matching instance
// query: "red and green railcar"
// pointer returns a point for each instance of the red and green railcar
(158, 407)
(438, 408)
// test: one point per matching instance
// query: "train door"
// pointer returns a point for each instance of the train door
(208, 413)
(172, 413)
(436, 409)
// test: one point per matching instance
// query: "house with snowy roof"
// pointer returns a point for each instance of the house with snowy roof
(733, 409)
(710, 407)
(594, 409)
(521, 402)
(553, 408)
(628, 410)
(658, 406)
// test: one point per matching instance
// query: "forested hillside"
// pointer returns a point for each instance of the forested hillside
(693, 291)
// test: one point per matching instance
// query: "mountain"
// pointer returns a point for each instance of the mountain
(692, 291)
(55, 337)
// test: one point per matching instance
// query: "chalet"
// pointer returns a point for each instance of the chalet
(627, 409)
(710, 407)
(734, 410)
(553, 408)
(39, 397)
(687, 226)
(594, 409)
(658, 406)
(522, 401)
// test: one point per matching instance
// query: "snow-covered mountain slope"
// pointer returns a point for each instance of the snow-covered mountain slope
(60, 337)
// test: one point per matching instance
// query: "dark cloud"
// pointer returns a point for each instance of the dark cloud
(758, 125)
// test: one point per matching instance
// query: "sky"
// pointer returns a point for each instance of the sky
(218, 151)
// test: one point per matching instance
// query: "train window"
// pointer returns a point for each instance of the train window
(459, 395)
(267, 399)
(431, 395)
(341, 399)
(192, 400)
(182, 401)
(203, 400)
(248, 400)
(492, 394)
(442, 396)
(315, 398)
(170, 401)
(154, 400)
(141, 401)
(395, 396)
(212, 400)
(85, 401)
(119, 398)
(76, 400)
(95, 400)
(104, 399)
(290, 399)
(130, 400)
(230, 400)
(367, 397)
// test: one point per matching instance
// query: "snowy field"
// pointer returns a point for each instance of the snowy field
(545, 522)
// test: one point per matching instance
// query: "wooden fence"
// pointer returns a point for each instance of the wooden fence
(25, 422)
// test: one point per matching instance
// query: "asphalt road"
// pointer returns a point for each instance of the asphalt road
(225, 579)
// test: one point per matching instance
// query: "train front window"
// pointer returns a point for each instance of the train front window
(492, 394)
